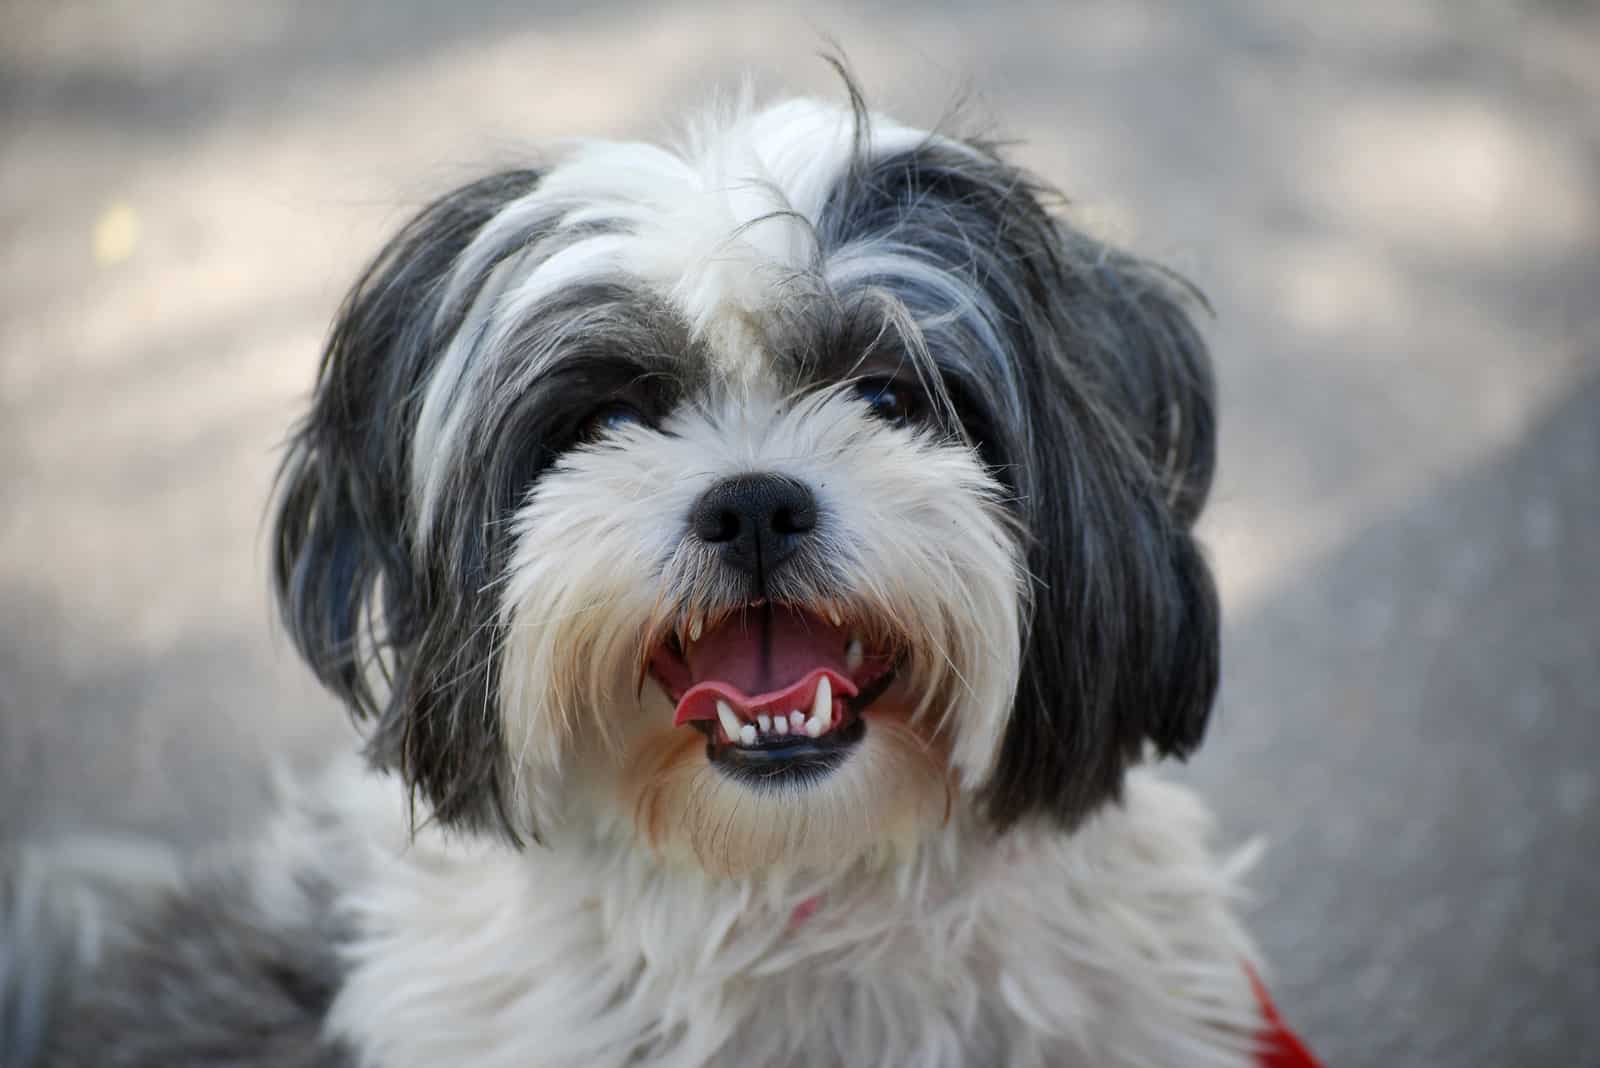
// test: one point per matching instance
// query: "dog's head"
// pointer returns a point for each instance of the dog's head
(776, 500)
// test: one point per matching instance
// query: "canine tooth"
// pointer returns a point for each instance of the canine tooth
(781, 725)
(797, 720)
(764, 721)
(822, 705)
(694, 628)
(730, 722)
(747, 734)
(815, 727)
(833, 616)
(853, 655)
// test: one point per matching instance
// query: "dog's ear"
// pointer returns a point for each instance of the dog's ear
(1157, 375)
(1123, 643)
(370, 613)
(1082, 381)
(1154, 367)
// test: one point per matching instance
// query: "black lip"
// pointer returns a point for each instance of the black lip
(788, 760)
(791, 760)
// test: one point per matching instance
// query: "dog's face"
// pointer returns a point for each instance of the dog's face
(776, 501)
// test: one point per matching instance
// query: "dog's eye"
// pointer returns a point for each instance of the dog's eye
(609, 417)
(893, 402)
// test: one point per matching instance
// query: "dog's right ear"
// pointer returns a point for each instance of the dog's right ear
(351, 589)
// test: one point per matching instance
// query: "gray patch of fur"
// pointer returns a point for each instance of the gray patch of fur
(61, 911)
(128, 965)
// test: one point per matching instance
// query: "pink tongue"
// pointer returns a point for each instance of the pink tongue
(756, 651)
(701, 700)
(764, 662)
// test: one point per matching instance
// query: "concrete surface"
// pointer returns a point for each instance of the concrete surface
(1395, 208)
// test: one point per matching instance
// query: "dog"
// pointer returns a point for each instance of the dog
(763, 569)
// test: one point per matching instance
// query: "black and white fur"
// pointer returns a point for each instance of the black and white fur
(539, 872)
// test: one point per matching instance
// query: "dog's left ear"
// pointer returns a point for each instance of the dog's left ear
(1123, 643)
(404, 638)
(1083, 383)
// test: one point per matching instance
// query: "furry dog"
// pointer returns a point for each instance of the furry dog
(760, 566)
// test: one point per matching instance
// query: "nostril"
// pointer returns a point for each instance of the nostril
(794, 520)
(718, 525)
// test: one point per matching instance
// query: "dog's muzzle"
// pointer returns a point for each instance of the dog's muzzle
(777, 689)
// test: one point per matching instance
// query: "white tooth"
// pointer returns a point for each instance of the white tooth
(694, 629)
(815, 727)
(747, 734)
(781, 725)
(730, 722)
(822, 706)
(764, 721)
(852, 655)
(797, 720)
(833, 616)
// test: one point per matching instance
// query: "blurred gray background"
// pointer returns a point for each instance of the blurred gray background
(1394, 207)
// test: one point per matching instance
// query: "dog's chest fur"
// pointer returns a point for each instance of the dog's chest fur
(1111, 946)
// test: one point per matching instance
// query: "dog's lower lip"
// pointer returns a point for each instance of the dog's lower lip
(795, 758)
(791, 761)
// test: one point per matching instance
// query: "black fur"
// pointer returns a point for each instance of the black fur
(341, 532)
(1096, 410)
(359, 595)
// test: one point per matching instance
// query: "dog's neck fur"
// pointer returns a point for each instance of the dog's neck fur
(1114, 945)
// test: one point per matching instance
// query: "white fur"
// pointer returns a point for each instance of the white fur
(599, 555)
(1113, 946)
(717, 228)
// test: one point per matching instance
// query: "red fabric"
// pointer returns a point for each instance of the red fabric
(1279, 1047)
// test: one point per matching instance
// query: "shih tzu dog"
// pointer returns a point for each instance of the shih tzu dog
(761, 566)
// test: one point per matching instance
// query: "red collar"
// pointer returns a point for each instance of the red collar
(1279, 1046)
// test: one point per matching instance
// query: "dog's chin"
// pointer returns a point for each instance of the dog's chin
(784, 737)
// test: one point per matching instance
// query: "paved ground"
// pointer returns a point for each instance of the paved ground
(1394, 206)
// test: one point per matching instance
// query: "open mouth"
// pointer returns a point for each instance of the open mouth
(778, 690)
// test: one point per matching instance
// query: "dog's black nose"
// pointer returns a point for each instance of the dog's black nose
(757, 521)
